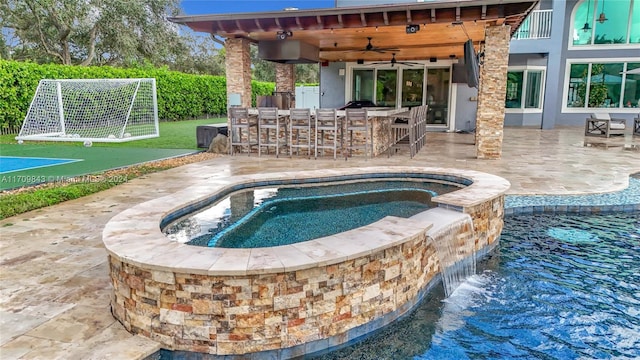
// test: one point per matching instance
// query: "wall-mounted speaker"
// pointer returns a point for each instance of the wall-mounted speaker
(412, 29)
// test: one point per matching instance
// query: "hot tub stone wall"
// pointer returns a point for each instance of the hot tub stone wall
(285, 302)
(488, 221)
(242, 314)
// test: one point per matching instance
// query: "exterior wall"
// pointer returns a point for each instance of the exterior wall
(491, 94)
(238, 69)
(557, 50)
(526, 118)
(332, 85)
(466, 108)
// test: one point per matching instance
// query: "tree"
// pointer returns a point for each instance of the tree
(266, 70)
(203, 57)
(95, 31)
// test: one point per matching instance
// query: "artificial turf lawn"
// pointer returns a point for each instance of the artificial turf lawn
(176, 138)
(94, 160)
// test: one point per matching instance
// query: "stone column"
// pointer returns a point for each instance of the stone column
(238, 69)
(492, 92)
(286, 80)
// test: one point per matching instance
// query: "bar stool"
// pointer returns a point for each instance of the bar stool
(268, 119)
(357, 121)
(299, 121)
(326, 125)
(240, 124)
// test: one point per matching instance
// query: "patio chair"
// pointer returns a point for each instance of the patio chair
(601, 124)
(300, 123)
(411, 134)
(326, 129)
(268, 119)
(358, 128)
(240, 125)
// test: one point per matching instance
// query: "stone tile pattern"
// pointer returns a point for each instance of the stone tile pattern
(286, 79)
(238, 69)
(492, 92)
(380, 136)
(488, 220)
(233, 315)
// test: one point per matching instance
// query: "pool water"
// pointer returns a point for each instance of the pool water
(281, 216)
(557, 287)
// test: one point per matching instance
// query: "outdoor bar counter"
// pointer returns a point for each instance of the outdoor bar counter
(380, 118)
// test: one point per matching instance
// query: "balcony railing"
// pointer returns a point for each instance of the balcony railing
(536, 26)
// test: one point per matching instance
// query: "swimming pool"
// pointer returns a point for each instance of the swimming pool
(287, 215)
(558, 287)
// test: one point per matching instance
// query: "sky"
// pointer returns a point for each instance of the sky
(199, 7)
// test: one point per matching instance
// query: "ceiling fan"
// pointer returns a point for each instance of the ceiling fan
(370, 47)
(393, 62)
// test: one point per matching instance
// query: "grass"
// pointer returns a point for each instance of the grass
(32, 198)
(51, 194)
(173, 135)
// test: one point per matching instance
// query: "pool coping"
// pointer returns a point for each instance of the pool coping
(134, 235)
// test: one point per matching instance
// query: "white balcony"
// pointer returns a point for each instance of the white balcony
(536, 26)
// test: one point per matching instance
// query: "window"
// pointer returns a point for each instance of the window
(412, 80)
(601, 22)
(515, 80)
(386, 84)
(524, 89)
(604, 85)
(631, 98)
(362, 85)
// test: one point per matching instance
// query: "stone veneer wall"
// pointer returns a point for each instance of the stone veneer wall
(286, 80)
(492, 92)
(238, 69)
(488, 221)
(280, 313)
(284, 313)
(240, 314)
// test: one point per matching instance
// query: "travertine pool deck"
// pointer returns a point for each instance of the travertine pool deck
(54, 282)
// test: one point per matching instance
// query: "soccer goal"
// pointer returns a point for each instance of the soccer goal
(92, 110)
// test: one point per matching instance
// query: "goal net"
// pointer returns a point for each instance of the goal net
(97, 110)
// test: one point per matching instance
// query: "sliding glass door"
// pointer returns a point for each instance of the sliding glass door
(405, 87)
(438, 96)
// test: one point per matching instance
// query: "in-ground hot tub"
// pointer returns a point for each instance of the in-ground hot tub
(289, 300)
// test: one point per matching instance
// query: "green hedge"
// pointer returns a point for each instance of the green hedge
(180, 96)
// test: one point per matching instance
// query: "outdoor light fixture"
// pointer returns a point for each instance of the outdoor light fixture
(282, 35)
(586, 26)
(602, 18)
(412, 29)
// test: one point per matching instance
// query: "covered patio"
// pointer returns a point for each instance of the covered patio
(402, 32)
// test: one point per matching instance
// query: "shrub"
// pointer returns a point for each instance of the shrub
(180, 96)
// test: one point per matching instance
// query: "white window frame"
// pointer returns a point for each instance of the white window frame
(525, 78)
(593, 17)
(589, 62)
(425, 65)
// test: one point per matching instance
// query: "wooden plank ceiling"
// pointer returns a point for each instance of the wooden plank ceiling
(342, 34)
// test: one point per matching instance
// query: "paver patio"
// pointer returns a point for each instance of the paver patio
(54, 282)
